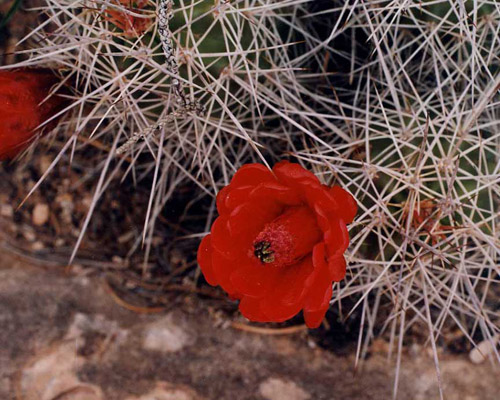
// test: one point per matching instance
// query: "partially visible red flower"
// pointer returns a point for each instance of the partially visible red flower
(279, 242)
(131, 25)
(426, 219)
(25, 104)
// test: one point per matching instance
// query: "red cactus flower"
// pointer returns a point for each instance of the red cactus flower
(279, 242)
(131, 25)
(25, 104)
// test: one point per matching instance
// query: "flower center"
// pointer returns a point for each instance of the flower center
(288, 238)
(263, 251)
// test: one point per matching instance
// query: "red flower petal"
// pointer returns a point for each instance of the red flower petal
(336, 238)
(248, 219)
(251, 175)
(319, 283)
(277, 192)
(318, 197)
(204, 258)
(221, 239)
(347, 205)
(234, 296)
(314, 318)
(319, 262)
(294, 176)
(287, 296)
(286, 172)
(290, 288)
(322, 218)
(250, 308)
(222, 268)
(229, 198)
(237, 196)
(253, 280)
(220, 201)
(337, 267)
(279, 312)
(320, 298)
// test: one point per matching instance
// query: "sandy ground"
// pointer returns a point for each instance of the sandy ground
(63, 337)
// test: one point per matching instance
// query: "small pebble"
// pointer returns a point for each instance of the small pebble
(117, 260)
(481, 352)
(6, 210)
(45, 162)
(40, 214)
(278, 389)
(37, 246)
(29, 234)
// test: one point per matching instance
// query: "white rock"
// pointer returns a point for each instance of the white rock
(167, 391)
(166, 335)
(480, 353)
(53, 372)
(277, 389)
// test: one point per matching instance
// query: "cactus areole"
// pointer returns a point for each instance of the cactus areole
(279, 242)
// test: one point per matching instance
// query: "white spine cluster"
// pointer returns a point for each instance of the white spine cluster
(187, 106)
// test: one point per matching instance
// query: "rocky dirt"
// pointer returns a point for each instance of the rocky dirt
(64, 337)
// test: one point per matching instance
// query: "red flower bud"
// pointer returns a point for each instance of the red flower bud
(131, 25)
(25, 104)
(279, 242)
